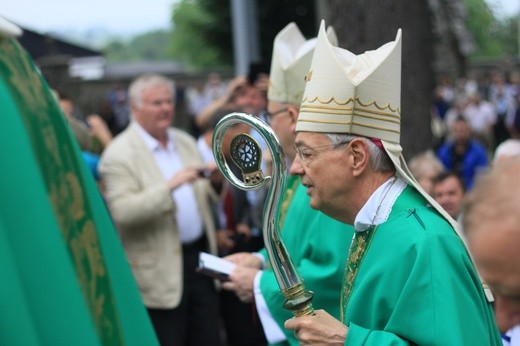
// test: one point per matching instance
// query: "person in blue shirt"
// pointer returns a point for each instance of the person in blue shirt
(462, 154)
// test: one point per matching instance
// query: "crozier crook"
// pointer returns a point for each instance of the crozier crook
(247, 154)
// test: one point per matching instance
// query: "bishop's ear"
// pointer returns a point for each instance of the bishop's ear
(359, 156)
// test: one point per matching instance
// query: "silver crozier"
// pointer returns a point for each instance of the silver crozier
(247, 155)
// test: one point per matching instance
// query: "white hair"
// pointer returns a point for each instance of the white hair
(506, 149)
(423, 162)
(136, 88)
(379, 159)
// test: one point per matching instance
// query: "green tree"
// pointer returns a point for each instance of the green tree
(485, 28)
(202, 35)
(509, 35)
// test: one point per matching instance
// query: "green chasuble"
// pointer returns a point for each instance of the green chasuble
(318, 246)
(416, 284)
(64, 275)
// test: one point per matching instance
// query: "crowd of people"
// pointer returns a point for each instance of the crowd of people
(381, 241)
(490, 105)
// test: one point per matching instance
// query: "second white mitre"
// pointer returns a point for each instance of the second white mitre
(292, 55)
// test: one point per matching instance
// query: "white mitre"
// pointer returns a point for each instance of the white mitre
(292, 56)
(8, 29)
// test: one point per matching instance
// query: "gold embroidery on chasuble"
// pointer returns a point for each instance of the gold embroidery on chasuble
(358, 249)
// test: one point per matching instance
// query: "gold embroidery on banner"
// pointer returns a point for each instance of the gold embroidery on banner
(67, 193)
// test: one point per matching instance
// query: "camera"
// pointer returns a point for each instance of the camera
(204, 173)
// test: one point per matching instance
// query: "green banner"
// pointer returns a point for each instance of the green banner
(64, 276)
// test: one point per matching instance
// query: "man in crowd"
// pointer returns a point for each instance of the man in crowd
(425, 167)
(161, 208)
(409, 278)
(316, 243)
(449, 192)
(462, 154)
(492, 225)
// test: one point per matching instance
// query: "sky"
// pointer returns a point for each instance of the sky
(125, 17)
(116, 16)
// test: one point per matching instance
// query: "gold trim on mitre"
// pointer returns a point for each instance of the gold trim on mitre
(356, 94)
(292, 56)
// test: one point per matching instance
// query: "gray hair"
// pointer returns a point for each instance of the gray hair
(379, 159)
(423, 162)
(136, 88)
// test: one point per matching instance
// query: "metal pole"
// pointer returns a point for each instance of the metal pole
(240, 37)
(245, 34)
(254, 34)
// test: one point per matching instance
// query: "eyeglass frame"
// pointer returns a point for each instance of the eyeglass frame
(305, 160)
(269, 116)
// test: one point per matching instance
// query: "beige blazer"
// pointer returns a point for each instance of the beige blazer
(143, 211)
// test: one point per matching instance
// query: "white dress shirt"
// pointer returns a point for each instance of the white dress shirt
(187, 213)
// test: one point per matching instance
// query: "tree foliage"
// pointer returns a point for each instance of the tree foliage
(494, 35)
(202, 35)
(484, 27)
(509, 29)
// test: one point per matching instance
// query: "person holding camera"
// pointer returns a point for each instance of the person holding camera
(162, 209)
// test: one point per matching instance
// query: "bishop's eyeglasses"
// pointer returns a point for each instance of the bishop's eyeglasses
(307, 155)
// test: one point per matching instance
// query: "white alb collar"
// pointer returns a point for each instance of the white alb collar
(378, 207)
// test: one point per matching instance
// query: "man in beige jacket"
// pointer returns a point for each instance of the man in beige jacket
(162, 209)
